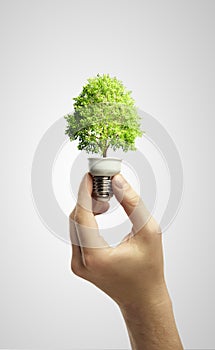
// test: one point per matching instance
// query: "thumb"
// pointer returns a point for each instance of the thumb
(131, 202)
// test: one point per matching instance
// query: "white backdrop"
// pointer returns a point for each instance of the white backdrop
(164, 52)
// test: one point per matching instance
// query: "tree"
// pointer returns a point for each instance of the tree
(104, 117)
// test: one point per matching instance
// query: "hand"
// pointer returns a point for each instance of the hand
(131, 270)
(130, 273)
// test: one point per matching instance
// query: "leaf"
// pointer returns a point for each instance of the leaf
(104, 115)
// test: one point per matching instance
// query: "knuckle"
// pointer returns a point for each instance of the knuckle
(153, 226)
(134, 199)
(95, 262)
(71, 216)
(78, 217)
(152, 230)
(77, 269)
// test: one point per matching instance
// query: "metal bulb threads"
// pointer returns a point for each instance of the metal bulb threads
(102, 188)
(102, 171)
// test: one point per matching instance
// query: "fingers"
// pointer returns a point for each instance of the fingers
(77, 260)
(99, 207)
(85, 223)
(131, 202)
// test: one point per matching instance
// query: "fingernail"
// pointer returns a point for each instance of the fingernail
(119, 181)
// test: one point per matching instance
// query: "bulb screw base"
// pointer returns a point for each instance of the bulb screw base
(102, 188)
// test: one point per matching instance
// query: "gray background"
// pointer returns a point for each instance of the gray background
(164, 52)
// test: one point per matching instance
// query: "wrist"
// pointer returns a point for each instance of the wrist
(150, 322)
(151, 301)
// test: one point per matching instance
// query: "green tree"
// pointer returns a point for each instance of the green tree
(104, 117)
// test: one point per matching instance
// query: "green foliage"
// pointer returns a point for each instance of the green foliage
(104, 116)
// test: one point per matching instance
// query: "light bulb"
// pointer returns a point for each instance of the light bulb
(102, 171)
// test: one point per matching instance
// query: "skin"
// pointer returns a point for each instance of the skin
(132, 273)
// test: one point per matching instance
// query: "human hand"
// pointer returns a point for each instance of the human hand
(130, 273)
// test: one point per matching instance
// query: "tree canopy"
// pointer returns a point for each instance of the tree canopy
(104, 117)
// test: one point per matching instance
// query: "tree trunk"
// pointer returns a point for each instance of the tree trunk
(104, 153)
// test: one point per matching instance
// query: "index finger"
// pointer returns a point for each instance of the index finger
(85, 222)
